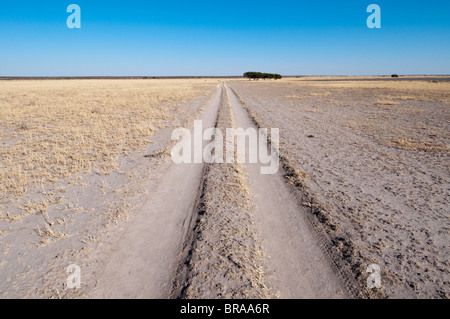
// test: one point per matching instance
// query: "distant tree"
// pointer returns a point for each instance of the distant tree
(394, 75)
(259, 75)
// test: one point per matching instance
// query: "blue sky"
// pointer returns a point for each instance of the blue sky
(322, 37)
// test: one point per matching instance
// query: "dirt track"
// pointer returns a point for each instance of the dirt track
(218, 231)
(157, 229)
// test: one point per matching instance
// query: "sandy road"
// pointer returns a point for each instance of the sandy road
(296, 265)
(147, 256)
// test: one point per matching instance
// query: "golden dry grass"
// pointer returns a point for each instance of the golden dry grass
(293, 97)
(314, 111)
(52, 130)
(47, 234)
(410, 144)
(386, 103)
(404, 90)
(407, 115)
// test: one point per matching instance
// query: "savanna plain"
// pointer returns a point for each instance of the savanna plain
(86, 178)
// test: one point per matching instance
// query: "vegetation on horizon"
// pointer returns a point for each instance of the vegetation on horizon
(259, 75)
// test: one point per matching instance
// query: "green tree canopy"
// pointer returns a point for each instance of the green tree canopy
(259, 75)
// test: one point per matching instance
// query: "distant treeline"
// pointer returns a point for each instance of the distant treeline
(259, 75)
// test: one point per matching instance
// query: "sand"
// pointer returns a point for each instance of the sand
(363, 180)
(372, 159)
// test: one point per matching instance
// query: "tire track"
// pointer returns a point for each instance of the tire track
(218, 231)
(141, 258)
(337, 249)
(222, 255)
(297, 259)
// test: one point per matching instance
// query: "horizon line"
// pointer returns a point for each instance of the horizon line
(14, 77)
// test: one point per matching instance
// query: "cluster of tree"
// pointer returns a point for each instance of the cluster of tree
(259, 75)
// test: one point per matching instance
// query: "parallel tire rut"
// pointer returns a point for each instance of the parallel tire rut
(319, 225)
(222, 256)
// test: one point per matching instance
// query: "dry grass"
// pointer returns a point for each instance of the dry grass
(52, 130)
(410, 144)
(404, 90)
(314, 111)
(35, 207)
(293, 97)
(118, 211)
(9, 217)
(47, 234)
(320, 94)
(378, 204)
(385, 103)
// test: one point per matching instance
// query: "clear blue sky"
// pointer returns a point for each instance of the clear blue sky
(230, 37)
